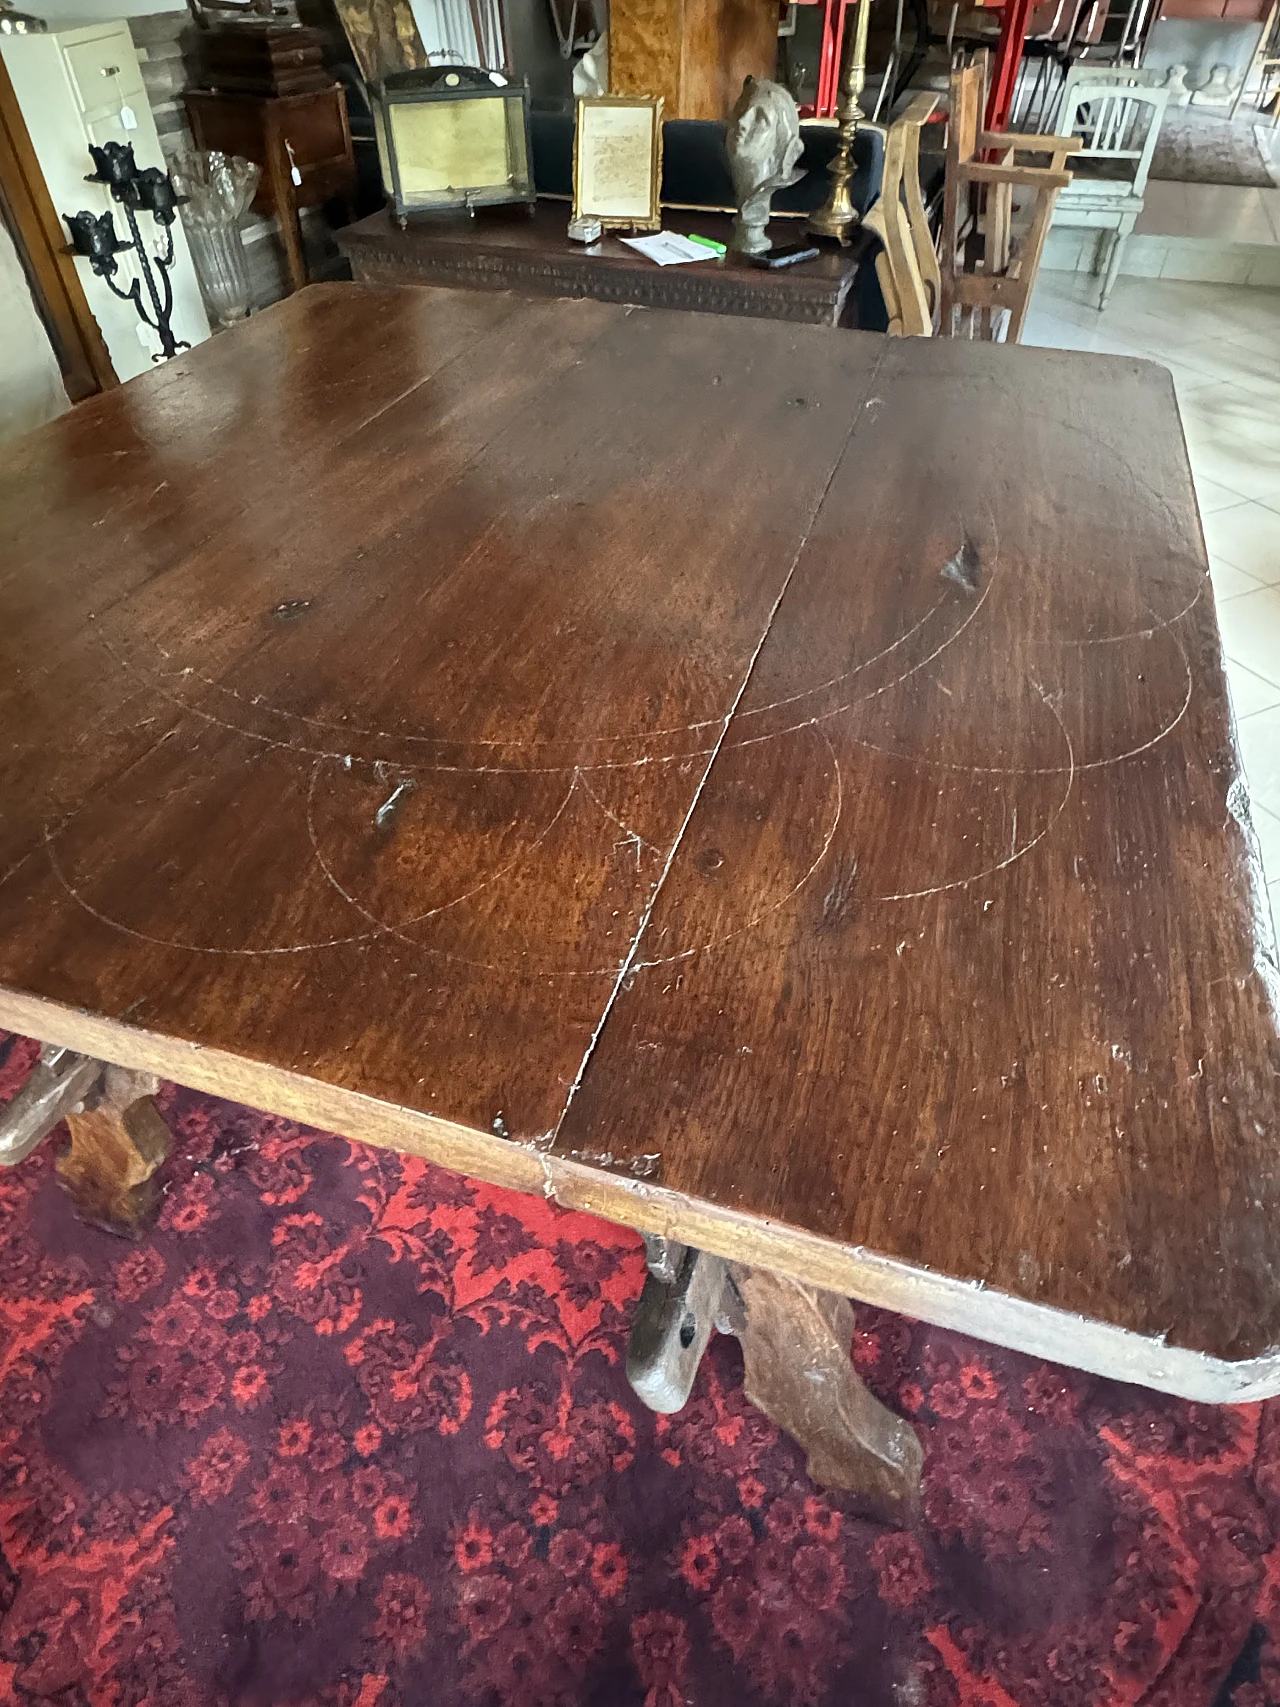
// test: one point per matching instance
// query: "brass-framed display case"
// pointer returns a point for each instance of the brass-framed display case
(452, 138)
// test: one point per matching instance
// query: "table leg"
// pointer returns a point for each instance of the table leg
(118, 1138)
(681, 1303)
(797, 1369)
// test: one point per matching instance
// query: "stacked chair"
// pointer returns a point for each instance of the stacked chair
(987, 260)
(907, 265)
(976, 281)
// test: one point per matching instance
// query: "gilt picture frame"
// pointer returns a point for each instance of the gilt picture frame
(617, 161)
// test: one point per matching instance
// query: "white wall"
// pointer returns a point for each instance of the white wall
(31, 390)
(61, 133)
(62, 14)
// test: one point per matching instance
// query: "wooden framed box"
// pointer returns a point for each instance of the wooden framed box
(617, 161)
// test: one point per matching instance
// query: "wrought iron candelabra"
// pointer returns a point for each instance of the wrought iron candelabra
(136, 188)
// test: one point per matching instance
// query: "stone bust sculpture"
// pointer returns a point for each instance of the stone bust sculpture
(763, 143)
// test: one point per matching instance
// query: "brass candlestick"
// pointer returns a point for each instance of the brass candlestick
(837, 215)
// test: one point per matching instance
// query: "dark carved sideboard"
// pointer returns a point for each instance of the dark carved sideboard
(506, 249)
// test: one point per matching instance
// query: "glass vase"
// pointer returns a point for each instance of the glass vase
(216, 190)
(222, 270)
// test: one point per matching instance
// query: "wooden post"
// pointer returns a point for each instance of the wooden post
(118, 1140)
(797, 1370)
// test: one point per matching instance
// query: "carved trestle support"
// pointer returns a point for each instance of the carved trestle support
(118, 1138)
(797, 1369)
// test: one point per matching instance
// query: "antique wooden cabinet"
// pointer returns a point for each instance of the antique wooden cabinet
(694, 53)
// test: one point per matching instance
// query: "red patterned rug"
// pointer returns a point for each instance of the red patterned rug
(351, 1431)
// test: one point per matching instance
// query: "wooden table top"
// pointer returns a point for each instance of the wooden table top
(770, 786)
(505, 249)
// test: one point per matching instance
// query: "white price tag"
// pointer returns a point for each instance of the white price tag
(295, 174)
(128, 118)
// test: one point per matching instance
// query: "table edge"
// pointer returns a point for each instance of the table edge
(962, 1306)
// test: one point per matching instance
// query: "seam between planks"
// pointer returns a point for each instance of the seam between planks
(633, 949)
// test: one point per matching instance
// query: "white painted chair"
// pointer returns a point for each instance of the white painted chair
(1119, 125)
(1085, 71)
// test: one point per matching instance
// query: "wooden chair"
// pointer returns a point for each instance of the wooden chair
(1118, 127)
(907, 266)
(978, 207)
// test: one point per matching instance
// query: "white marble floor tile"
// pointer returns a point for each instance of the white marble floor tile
(1065, 286)
(1247, 536)
(1231, 214)
(1260, 749)
(1071, 311)
(1258, 335)
(1133, 315)
(1070, 296)
(1055, 331)
(1146, 257)
(1250, 628)
(1251, 311)
(1233, 436)
(1267, 825)
(1228, 581)
(1186, 379)
(1210, 495)
(1245, 314)
(1250, 693)
(1253, 476)
(1228, 408)
(1247, 359)
(1177, 300)
(1193, 309)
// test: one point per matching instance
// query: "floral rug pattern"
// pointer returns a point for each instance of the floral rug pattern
(348, 1430)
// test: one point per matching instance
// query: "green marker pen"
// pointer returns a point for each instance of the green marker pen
(707, 243)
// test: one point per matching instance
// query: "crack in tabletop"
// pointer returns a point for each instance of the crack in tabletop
(771, 618)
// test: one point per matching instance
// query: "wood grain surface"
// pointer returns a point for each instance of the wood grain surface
(771, 786)
(644, 53)
(723, 42)
(693, 53)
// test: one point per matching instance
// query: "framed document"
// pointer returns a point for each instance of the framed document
(617, 161)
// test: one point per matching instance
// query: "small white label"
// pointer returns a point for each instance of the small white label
(295, 174)
(128, 118)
